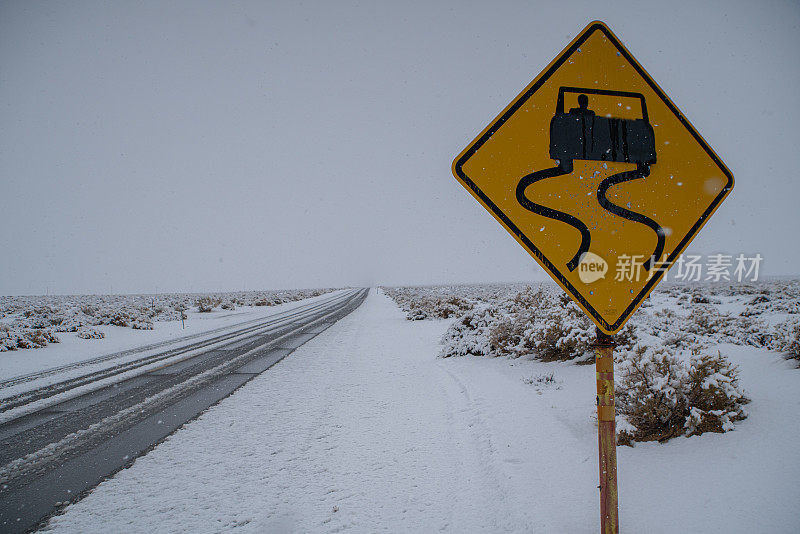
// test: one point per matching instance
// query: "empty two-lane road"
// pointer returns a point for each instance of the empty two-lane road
(70, 435)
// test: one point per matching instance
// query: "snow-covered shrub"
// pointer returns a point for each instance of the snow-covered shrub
(507, 333)
(564, 332)
(530, 299)
(751, 311)
(521, 323)
(704, 320)
(138, 324)
(180, 311)
(41, 337)
(659, 397)
(13, 338)
(705, 325)
(71, 324)
(90, 333)
(511, 334)
(715, 400)
(437, 308)
(787, 338)
(7, 340)
(543, 381)
(540, 380)
(534, 323)
(206, 304)
(469, 334)
(119, 318)
(549, 328)
(451, 307)
(431, 302)
(650, 395)
(745, 331)
(417, 314)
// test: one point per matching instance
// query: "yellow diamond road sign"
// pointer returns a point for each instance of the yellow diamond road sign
(598, 175)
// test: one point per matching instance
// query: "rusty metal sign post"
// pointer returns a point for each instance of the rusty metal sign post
(592, 163)
(606, 432)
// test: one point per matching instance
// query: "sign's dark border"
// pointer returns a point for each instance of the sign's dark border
(521, 99)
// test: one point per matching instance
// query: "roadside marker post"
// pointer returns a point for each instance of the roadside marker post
(592, 163)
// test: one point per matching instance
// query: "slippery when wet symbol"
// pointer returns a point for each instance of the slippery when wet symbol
(580, 134)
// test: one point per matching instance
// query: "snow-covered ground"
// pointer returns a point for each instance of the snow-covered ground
(363, 429)
(73, 349)
(30, 322)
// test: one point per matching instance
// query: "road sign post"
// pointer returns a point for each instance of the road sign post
(599, 176)
(606, 432)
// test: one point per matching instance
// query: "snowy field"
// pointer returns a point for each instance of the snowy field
(121, 322)
(364, 429)
(674, 378)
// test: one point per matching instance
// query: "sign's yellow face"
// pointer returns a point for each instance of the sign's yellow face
(598, 175)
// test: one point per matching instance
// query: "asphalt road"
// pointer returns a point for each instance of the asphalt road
(54, 455)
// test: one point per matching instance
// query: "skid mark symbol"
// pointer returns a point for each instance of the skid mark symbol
(581, 134)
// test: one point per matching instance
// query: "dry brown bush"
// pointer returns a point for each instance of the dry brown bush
(661, 397)
(206, 304)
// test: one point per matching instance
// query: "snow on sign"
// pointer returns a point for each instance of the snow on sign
(597, 174)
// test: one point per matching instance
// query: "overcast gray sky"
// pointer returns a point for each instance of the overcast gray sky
(173, 146)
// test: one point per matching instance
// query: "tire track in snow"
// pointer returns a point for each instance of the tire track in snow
(482, 457)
